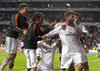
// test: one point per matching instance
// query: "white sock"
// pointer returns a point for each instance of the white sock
(4, 64)
(9, 69)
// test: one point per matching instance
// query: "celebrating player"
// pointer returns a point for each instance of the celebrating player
(18, 25)
(71, 45)
(30, 42)
(48, 51)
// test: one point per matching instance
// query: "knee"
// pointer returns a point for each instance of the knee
(13, 56)
(80, 66)
(11, 65)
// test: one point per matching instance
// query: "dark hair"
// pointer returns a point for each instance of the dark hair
(37, 15)
(68, 13)
(22, 5)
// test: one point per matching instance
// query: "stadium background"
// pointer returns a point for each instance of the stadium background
(54, 9)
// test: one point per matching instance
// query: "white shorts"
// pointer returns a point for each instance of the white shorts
(42, 67)
(67, 59)
(11, 45)
(30, 57)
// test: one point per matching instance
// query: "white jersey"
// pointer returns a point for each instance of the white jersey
(68, 38)
(47, 54)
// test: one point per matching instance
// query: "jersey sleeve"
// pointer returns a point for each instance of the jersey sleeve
(54, 32)
(39, 43)
(18, 18)
(54, 45)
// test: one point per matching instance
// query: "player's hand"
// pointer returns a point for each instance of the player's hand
(25, 31)
(52, 24)
(43, 37)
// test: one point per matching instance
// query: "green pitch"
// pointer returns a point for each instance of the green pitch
(20, 62)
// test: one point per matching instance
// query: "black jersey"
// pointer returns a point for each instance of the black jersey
(17, 21)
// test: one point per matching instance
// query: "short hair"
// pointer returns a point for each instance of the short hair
(22, 5)
(68, 13)
(37, 15)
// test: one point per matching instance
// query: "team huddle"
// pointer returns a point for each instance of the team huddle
(70, 32)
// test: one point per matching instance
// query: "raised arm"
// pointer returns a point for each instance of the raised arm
(54, 32)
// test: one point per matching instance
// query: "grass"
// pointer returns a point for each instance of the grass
(20, 62)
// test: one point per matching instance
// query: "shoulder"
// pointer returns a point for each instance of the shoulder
(59, 24)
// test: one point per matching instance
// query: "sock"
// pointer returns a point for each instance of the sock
(9, 69)
(4, 64)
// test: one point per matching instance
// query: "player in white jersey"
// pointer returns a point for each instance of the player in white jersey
(71, 68)
(85, 32)
(71, 45)
(48, 51)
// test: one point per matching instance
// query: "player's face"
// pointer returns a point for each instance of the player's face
(70, 18)
(40, 20)
(76, 19)
(48, 40)
(25, 10)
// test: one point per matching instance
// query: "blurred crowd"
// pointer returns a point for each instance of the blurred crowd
(44, 4)
(53, 16)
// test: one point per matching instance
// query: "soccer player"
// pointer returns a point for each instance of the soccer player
(30, 42)
(79, 25)
(48, 50)
(18, 25)
(71, 46)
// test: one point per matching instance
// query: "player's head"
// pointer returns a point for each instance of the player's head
(76, 18)
(38, 17)
(23, 8)
(69, 15)
(47, 39)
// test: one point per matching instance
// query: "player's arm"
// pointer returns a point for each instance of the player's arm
(54, 45)
(39, 44)
(19, 18)
(54, 32)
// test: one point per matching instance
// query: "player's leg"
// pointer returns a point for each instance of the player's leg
(66, 61)
(33, 60)
(71, 68)
(8, 43)
(85, 62)
(11, 62)
(79, 67)
(26, 51)
(13, 52)
(86, 66)
(77, 59)
(4, 64)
